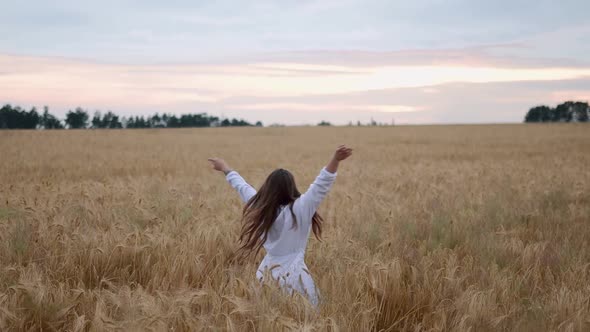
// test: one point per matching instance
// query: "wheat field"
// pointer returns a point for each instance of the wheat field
(428, 228)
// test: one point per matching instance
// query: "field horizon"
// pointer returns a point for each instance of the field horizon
(458, 227)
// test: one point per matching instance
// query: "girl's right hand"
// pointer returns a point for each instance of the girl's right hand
(342, 152)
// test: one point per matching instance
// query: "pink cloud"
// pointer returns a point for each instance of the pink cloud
(295, 90)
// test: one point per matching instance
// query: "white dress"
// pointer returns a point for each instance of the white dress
(285, 245)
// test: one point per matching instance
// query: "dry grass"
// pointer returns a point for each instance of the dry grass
(442, 228)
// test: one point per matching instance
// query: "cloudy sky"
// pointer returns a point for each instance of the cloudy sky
(297, 62)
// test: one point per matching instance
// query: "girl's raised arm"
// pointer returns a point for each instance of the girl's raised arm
(245, 190)
(311, 199)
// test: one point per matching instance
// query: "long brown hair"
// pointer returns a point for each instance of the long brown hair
(262, 209)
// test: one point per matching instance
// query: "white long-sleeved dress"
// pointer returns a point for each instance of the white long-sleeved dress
(285, 245)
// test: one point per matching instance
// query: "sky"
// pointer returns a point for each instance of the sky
(297, 62)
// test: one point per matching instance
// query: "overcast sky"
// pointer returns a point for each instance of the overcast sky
(297, 62)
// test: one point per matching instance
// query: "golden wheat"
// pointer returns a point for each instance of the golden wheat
(441, 228)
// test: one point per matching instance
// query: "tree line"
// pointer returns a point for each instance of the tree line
(20, 118)
(569, 111)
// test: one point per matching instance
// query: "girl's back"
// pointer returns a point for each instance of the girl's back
(287, 235)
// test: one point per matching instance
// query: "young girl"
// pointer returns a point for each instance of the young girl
(279, 218)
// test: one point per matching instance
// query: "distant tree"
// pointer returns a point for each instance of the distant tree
(539, 114)
(358, 123)
(238, 123)
(214, 121)
(105, 121)
(31, 119)
(581, 111)
(6, 116)
(77, 119)
(324, 123)
(563, 112)
(110, 120)
(173, 122)
(205, 121)
(148, 122)
(558, 114)
(116, 123)
(130, 123)
(185, 120)
(157, 121)
(195, 120)
(53, 123)
(18, 118)
(144, 122)
(49, 121)
(96, 120)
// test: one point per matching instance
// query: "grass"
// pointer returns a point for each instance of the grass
(7, 213)
(441, 228)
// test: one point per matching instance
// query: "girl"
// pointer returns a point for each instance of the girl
(279, 218)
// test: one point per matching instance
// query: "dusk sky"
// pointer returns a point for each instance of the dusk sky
(297, 62)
